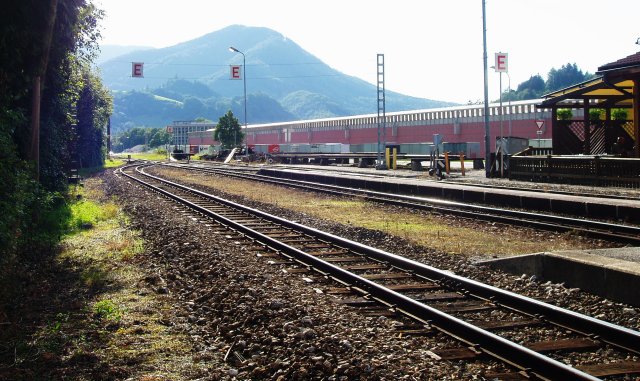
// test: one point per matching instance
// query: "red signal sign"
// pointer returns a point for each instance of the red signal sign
(137, 69)
(236, 71)
(502, 62)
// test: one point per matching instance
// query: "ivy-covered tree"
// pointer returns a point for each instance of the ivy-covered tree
(228, 131)
(43, 45)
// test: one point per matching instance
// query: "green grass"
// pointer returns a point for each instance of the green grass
(149, 156)
(112, 163)
(86, 214)
(108, 163)
(106, 309)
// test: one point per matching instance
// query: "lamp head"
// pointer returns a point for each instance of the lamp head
(232, 49)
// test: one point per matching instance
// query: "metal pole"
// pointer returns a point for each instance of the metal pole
(487, 132)
(244, 83)
(501, 135)
(382, 118)
(509, 104)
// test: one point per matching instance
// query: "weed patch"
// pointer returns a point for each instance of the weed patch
(107, 310)
(76, 312)
(450, 235)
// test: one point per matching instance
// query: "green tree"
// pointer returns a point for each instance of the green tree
(93, 109)
(228, 131)
(567, 75)
(531, 88)
(159, 138)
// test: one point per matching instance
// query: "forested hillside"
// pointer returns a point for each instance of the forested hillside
(284, 82)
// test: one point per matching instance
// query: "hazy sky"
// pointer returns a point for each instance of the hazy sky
(433, 48)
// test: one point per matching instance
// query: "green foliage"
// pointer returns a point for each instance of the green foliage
(530, 89)
(595, 114)
(156, 155)
(566, 76)
(151, 137)
(565, 114)
(180, 88)
(47, 223)
(52, 47)
(535, 87)
(106, 309)
(94, 107)
(84, 215)
(228, 131)
(619, 114)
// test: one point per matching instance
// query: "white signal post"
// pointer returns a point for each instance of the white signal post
(501, 66)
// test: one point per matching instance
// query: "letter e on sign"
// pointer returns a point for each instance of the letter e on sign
(502, 62)
(137, 69)
(236, 71)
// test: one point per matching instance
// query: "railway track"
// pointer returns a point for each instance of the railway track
(548, 190)
(486, 321)
(619, 233)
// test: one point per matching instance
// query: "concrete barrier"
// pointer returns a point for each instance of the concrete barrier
(601, 272)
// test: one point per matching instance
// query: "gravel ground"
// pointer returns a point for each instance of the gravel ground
(272, 325)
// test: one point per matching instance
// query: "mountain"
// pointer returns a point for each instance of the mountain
(108, 52)
(284, 82)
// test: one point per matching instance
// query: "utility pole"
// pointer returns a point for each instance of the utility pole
(487, 130)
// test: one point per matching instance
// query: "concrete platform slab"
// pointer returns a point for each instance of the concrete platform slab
(611, 273)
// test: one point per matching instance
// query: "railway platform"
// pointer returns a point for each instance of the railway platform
(611, 273)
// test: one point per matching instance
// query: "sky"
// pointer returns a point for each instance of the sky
(432, 48)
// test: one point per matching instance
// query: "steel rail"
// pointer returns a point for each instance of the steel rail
(597, 229)
(507, 187)
(611, 333)
(494, 345)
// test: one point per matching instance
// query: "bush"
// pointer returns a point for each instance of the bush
(565, 114)
(619, 114)
(595, 114)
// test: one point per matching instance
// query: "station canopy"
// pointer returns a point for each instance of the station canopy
(600, 93)
(617, 85)
(613, 88)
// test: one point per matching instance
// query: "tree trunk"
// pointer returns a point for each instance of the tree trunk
(37, 86)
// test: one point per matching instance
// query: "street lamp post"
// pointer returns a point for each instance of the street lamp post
(244, 82)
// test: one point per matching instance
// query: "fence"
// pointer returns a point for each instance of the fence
(587, 170)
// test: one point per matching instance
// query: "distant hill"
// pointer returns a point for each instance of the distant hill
(284, 82)
(108, 52)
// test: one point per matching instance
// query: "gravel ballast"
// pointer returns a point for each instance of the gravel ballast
(252, 320)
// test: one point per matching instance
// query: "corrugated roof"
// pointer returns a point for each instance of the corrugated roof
(632, 60)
